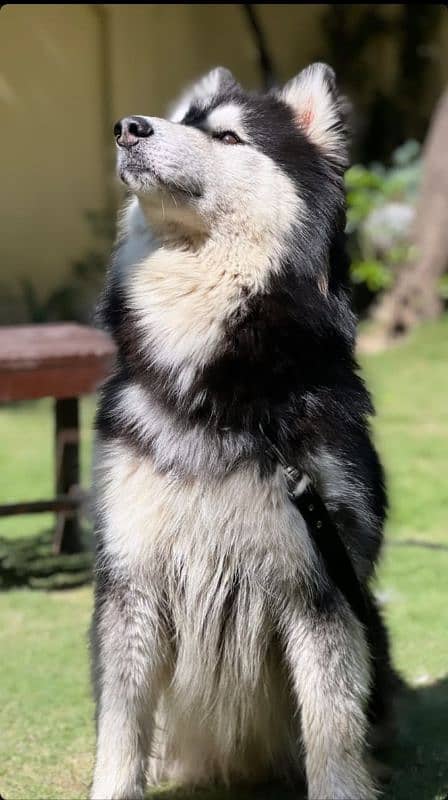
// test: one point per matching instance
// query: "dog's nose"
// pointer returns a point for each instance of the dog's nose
(129, 130)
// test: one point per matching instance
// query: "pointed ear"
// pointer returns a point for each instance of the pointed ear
(218, 80)
(319, 110)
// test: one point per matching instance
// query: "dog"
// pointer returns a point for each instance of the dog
(222, 649)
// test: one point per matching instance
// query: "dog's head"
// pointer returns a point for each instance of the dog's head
(228, 159)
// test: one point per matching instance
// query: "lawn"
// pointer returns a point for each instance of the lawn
(46, 727)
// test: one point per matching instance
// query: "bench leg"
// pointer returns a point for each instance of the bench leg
(67, 536)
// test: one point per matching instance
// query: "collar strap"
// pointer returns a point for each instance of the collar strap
(323, 532)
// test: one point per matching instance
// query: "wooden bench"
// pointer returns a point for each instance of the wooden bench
(62, 361)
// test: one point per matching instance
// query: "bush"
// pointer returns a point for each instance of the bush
(380, 211)
(75, 298)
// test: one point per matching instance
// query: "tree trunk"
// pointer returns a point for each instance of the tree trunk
(415, 296)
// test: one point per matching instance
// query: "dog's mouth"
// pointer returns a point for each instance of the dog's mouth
(130, 172)
(131, 168)
(141, 176)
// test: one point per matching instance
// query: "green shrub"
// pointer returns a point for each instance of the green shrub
(388, 193)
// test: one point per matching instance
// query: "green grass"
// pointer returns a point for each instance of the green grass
(46, 737)
(26, 459)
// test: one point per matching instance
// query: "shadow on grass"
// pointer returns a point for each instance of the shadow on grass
(31, 562)
(271, 791)
(419, 758)
(420, 755)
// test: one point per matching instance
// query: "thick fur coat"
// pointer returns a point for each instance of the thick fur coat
(221, 648)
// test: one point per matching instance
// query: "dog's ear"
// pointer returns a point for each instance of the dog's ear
(319, 110)
(217, 81)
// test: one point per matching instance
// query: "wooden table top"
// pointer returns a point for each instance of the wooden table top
(52, 360)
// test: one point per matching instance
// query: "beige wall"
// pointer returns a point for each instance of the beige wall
(68, 71)
(52, 105)
(49, 127)
(157, 48)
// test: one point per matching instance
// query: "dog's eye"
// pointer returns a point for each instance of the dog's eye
(228, 137)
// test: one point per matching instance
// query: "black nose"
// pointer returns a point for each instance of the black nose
(129, 130)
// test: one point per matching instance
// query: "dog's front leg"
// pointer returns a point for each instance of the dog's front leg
(328, 659)
(128, 661)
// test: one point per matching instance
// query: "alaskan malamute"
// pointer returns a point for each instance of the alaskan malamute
(223, 650)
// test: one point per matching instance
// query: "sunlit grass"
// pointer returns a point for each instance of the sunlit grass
(46, 714)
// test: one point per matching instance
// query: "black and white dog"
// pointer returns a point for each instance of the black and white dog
(222, 648)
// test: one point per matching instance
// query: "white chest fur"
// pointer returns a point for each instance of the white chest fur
(149, 515)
